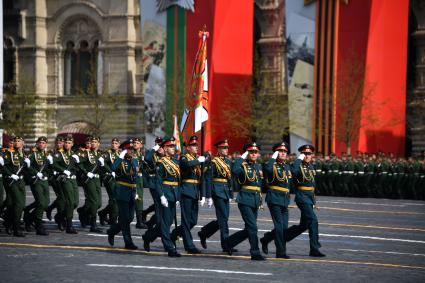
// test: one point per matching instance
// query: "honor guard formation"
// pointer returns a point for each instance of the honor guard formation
(186, 181)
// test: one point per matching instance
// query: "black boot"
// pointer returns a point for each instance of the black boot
(93, 226)
(264, 246)
(40, 229)
(174, 253)
(82, 217)
(17, 232)
(316, 253)
(146, 244)
(203, 239)
(139, 223)
(130, 246)
(102, 217)
(257, 257)
(59, 221)
(49, 211)
(28, 221)
(111, 239)
(70, 227)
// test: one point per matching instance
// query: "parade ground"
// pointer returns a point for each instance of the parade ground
(365, 240)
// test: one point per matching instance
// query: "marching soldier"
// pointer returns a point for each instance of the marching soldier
(168, 176)
(248, 174)
(15, 163)
(149, 179)
(303, 174)
(218, 182)
(90, 163)
(1, 184)
(126, 168)
(59, 202)
(110, 212)
(191, 174)
(278, 177)
(65, 163)
(81, 178)
(137, 145)
(38, 173)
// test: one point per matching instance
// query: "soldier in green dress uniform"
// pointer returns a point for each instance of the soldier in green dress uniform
(126, 168)
(65, 164)
(249, 176)
(110, 212)
(303, 178)
(278, 176)
(15, 165)
(191, 174)
(218, 184)
(168, 177)
(91, 164)
(38, 179)
(59, 202)
(137, 145)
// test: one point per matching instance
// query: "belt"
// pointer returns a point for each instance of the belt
(384, 172)
(95, 175)
(71, 177)
(335, 171)
(152, 175)
(170, 183)
(350, 172)
(319, 170)
(277, 188)
(303, 188)
(252, 188)
(220, 180)
(191, 181)
(125, 184)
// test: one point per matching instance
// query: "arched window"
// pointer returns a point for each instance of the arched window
(9, 65)
(81, 57)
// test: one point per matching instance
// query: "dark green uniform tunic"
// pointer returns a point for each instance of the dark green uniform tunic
(168, 175)
(124, 194)
(39, 186)
(248, 175)
(218, 184)
(278, 176)
(14, 165)
(303, 174)
(191, 174)
(109, 181)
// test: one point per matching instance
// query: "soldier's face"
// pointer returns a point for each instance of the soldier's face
(282, 154)
(18, 143)
(88, 144)
(95, 144)
(308, 156)
(59, 144)
(137, 145)
(161, 151)
(253, 155)
(223, 151)
(193, 149)
(68, 145)
(115, 145)
(170, 150)
(41, 145)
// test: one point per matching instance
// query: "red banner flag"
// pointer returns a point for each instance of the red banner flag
(196, 102)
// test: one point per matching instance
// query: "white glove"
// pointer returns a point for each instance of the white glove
(275, 154)
(15, 177)
(27, 161)
(301, 156)
(123, 153)
(90, 175)
(177, 204)
(209, 202)
(164, 201)
(1, 161)
(67, 173)
(244, 155)
(76, 157)
(113, 174)
(101, 161)
(50, 159)
(40, 175)
(202, 201)
(201, 159)
(156, 147)
(230, 200)
(137, 197)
